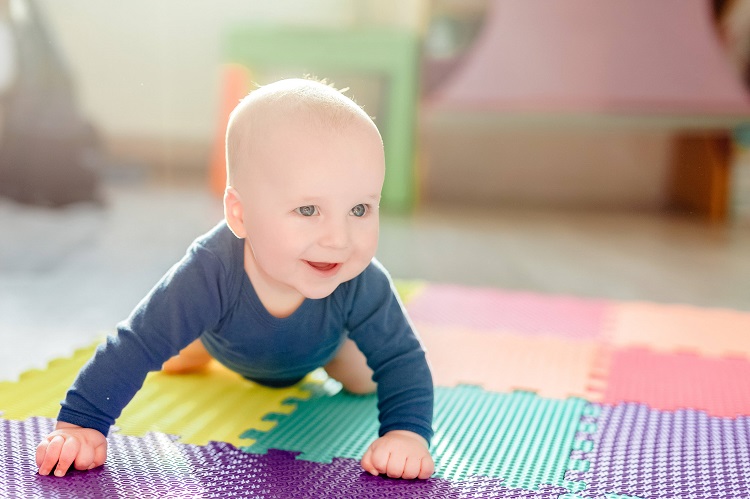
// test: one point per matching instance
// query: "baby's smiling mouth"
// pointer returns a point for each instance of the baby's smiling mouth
(322, 266)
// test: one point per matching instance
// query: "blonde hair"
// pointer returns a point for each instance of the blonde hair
(301, 98)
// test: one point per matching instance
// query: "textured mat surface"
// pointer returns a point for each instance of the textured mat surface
(654, 454)
(216, 405)
(680, 328)
(646, 441)
(519, 437)
(408, 290)
(494, 310)
(550, 366)
(721, 387)
(156, 466)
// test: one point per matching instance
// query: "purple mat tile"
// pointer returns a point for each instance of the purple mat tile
(156, 466)
(152, 466)
(654, 454)
(288, 477)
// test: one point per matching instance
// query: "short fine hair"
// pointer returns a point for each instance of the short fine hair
(304, 98)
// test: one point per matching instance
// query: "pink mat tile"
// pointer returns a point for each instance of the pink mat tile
(678, 381)
(550, 366)
(671, 328)
(520, 312)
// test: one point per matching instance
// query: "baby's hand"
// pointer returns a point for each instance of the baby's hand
(85, 448)
(399, 454)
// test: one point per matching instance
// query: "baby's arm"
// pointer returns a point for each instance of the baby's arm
(84, 448)
(399, 454)
(185, 302)
(379, 326)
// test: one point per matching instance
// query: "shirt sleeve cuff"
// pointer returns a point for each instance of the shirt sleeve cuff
(83, 421)
(422, 431)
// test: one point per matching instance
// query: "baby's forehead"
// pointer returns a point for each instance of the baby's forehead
(304, 101)
(293, 112)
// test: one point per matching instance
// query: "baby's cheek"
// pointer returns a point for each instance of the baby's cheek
(368, 249)
(360, 263)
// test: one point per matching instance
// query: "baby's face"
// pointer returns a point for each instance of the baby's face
(310, 203)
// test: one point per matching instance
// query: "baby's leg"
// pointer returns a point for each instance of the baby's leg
(192, 358)
(350, 368)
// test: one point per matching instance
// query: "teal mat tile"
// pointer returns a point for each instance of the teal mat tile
(520, 437)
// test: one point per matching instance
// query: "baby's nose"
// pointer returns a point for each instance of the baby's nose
(335, 234)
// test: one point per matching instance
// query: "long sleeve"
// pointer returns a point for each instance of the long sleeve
(379, 326)
(188, 300)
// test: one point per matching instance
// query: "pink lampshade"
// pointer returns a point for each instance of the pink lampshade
(642, 57)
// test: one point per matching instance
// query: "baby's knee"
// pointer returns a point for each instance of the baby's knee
(360, 387)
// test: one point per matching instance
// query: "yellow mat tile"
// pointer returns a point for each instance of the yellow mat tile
(409, 289)
(215, 405)
(39, 392)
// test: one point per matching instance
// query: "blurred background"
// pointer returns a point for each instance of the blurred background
(596, 149)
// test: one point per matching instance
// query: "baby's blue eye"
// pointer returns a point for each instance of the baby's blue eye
(307, 211)
(359, 210)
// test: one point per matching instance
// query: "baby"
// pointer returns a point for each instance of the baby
(285, 284)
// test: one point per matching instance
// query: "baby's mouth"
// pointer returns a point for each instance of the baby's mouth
(322, 266)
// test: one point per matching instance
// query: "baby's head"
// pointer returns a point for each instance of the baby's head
(305, 168)
(280, 106)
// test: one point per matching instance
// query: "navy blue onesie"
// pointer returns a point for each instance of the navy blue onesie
(207, 294)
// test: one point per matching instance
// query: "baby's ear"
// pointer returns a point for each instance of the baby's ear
(233, 212)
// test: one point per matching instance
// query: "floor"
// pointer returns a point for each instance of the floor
(67, 276)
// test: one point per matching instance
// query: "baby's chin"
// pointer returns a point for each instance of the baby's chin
(318, 291)
(318, 295)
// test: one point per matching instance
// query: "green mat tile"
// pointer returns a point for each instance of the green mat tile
(520, 437)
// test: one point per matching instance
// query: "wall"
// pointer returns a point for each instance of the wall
(148, 77)
(148, 72)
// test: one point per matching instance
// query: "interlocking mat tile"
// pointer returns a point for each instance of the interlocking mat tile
(156, 466)
(409, 289)
(519, 437)
(550, 366)
(520, 312)
(721, 387)
(670, 328)
(652, 454)
(39, 392)
(136, 467)
(215, 405)
(579, 399)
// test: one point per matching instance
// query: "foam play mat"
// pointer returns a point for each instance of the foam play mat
(536, 397)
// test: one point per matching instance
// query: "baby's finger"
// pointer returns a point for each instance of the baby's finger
(100, 455)
(395, 468)
(366, 463)
(85, 458)
(41, 451)
(427, 468)
(379, 460)
(411, 468)
(68, 454)
(48, 452)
